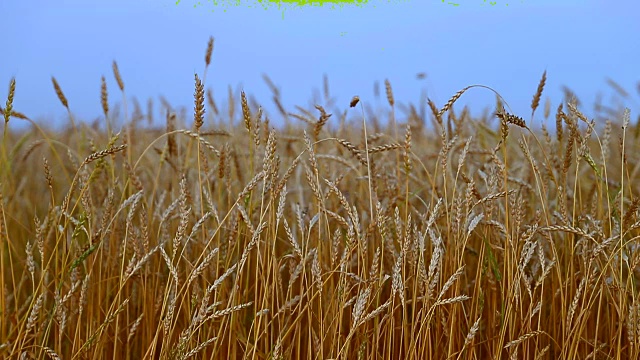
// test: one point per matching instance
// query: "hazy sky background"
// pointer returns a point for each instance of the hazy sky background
(159, 44)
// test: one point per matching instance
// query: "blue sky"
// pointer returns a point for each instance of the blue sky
(159, 44)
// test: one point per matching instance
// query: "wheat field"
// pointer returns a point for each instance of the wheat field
(351, 235)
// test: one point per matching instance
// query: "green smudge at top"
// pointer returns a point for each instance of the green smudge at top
(332, 3)
(318, 2)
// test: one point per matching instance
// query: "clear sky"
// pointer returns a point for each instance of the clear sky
(159, 44)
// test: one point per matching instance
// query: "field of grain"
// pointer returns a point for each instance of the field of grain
(348, 235)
